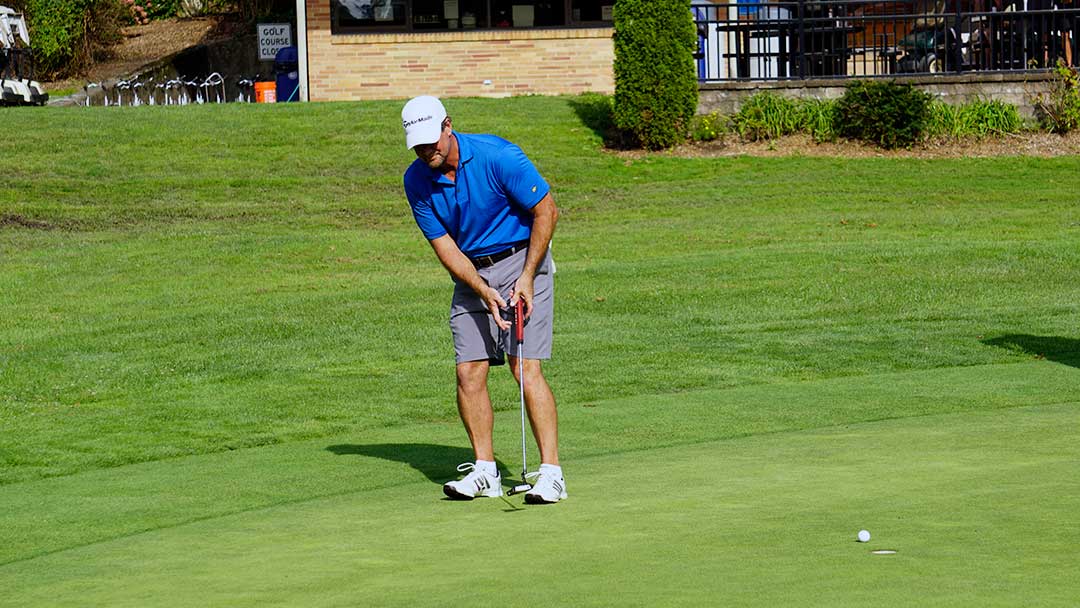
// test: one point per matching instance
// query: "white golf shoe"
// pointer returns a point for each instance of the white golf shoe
(476, 483)
(550, 487)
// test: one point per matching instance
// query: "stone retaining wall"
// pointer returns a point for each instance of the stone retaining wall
(1016, 89)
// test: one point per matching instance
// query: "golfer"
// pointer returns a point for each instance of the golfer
(489, 216)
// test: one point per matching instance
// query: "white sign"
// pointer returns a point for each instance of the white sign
(272, 38)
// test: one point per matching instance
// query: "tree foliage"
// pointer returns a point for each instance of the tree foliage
(65, 34)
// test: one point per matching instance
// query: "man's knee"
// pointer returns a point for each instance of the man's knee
(472, 376)
(533, 370)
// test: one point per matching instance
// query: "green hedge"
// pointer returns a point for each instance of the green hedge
(767, 116)
(656, 89)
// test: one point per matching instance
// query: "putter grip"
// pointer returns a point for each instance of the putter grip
(519, 321)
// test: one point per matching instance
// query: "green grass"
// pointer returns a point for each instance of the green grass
(222, 336)
(746, 509)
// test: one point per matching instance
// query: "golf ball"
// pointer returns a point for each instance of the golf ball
(864, 536)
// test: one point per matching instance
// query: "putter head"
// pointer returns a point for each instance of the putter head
(518, 489)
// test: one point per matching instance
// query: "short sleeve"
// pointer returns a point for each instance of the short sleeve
(423, 214)
(519, 178)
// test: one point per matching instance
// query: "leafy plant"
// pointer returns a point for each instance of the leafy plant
(1059, 109)
(768, 116)
(818, 118)
(974, 119)
(656, 89)
(888, 114)
(708, 127)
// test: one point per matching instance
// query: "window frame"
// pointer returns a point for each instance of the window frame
(407, 27)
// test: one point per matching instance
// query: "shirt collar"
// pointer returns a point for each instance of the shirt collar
(465, 154)
(465, 151)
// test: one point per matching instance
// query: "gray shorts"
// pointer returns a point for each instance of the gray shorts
(477, 337)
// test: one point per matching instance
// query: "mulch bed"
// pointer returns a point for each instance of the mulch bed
(1023, 144)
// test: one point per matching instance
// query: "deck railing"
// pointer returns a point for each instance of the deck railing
(883, 38)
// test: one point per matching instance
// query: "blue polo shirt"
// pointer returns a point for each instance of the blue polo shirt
(487, 208)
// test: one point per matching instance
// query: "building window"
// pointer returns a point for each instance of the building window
(359, 16)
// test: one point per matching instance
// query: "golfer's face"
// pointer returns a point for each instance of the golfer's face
(435, 154)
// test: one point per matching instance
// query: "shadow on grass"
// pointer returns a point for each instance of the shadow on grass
(436, 462)
(1053, 348)
(595, 111)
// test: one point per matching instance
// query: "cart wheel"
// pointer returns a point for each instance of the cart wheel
(934, 65)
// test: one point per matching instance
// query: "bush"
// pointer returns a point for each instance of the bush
(1059, 110)
(656, 89)
(65, 34)
(888, 114)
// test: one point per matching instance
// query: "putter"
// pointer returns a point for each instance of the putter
(519, 333)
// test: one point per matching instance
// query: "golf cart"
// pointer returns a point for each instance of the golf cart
(17, 63)
(932, 51)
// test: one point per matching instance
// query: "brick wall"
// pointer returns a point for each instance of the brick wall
(460, 63)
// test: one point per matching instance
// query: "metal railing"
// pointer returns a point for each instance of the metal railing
(883, 38)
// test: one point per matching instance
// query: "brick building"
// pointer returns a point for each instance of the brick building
(385, 49)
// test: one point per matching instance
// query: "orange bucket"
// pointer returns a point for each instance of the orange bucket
(266, 92)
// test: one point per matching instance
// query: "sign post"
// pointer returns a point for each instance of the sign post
(272, 38)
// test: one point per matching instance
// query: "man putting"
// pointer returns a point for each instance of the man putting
(489, 216)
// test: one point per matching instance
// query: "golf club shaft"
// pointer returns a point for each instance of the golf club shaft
(521, 389)
(519, 319)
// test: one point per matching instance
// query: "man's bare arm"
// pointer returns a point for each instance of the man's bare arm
(461, 267)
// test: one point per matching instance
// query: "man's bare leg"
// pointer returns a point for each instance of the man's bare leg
(540, 403)
(474, 407)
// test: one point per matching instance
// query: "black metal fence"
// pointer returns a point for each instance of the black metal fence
(883, 38)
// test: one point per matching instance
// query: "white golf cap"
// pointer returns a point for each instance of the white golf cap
(422, 118)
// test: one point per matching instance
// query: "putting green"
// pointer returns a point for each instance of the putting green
(977, 504)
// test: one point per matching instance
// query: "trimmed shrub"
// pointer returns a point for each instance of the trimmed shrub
(888, 114)
(656, 89)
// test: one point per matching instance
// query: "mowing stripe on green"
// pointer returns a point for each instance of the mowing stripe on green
(52, 515)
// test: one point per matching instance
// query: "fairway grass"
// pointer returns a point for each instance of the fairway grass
(765, 519)
(736, 505)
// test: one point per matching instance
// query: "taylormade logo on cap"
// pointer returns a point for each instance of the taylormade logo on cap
(413, 122)
(422, 119)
